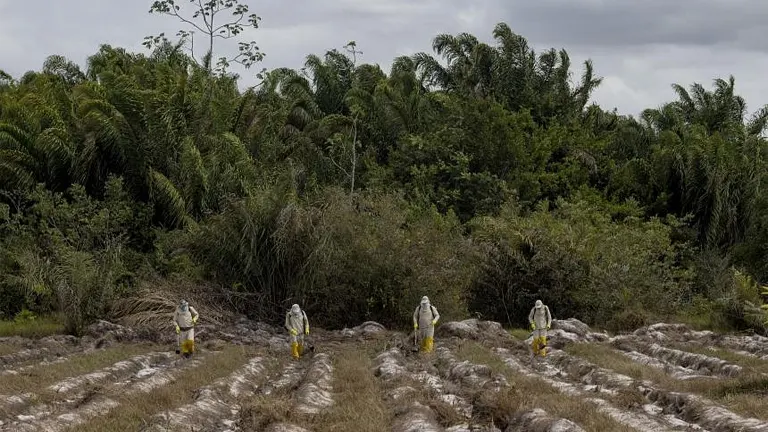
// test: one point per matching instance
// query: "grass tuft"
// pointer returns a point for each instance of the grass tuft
(519, 333)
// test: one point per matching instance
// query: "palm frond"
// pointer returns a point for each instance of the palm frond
(165, 193)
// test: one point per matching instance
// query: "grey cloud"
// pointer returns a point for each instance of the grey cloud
(639, 47)
(622, 23)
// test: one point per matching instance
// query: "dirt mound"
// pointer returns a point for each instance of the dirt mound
(366, 330)
(537, 420)
(468, 374)
(472, 329)
(46, 349)
(752, 345)
(572, 330)
(285, 427)
(316, 394)
(415, 417)
(698, 363)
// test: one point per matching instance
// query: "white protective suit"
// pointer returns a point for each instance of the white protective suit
(540, 320)
(297, 324)
(185, 319)
(425, 318)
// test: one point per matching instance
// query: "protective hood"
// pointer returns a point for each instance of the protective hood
(183, 306)
(425, 300)
(296, 310)
(539, 304)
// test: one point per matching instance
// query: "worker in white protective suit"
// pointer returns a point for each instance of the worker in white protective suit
(541, 321)
(425, 318)
(185, 319)
(298, 325)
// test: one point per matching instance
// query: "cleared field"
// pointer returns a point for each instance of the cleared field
(479, 378)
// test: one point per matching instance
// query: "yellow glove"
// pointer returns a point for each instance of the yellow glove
(194, 319)
(294, 332)
(178, 329)
(415, 326)
(434, 322)
(306, 330)
(533, 326)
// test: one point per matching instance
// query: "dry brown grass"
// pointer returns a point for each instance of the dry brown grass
(262, 411)
(355, 391)
(746, 394)
(526, 393)
(37, 378)
(446, 414)
(137, 409)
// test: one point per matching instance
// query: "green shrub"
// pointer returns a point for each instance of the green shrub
(24, 316)
(66, 254)
(579, 262)
(378, 257)
(346, 260)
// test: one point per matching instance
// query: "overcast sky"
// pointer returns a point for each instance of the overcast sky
(639, 47)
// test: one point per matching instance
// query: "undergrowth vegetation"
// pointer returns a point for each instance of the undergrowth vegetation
(484, 179)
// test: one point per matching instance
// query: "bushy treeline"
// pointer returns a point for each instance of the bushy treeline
(485, 181)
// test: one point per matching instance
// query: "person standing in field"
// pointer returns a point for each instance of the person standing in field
(297, 324)
(185, 319)
(541, 321)
(424, 319)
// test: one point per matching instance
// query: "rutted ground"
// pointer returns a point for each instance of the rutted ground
(664, 377)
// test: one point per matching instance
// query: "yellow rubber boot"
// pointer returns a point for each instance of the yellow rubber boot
(301, 349)
(295, 350)
(543, 346)
(188, 347)
(428, 344)
(535, 346)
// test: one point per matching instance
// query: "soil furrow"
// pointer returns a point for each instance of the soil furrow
(476, 378)
(145, 380)
(635, 420)
(302, 391)
(290, 377)
(700, 363)
(215, 404)
(754, 345)
(410, 415)
(672, 370)
(24, 369)
(538, 420)
(73, 390)
(33, 354)
(686, 407)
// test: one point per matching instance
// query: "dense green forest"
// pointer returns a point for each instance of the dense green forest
(480, 175)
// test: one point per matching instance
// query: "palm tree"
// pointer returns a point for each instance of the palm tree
(35, 146)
